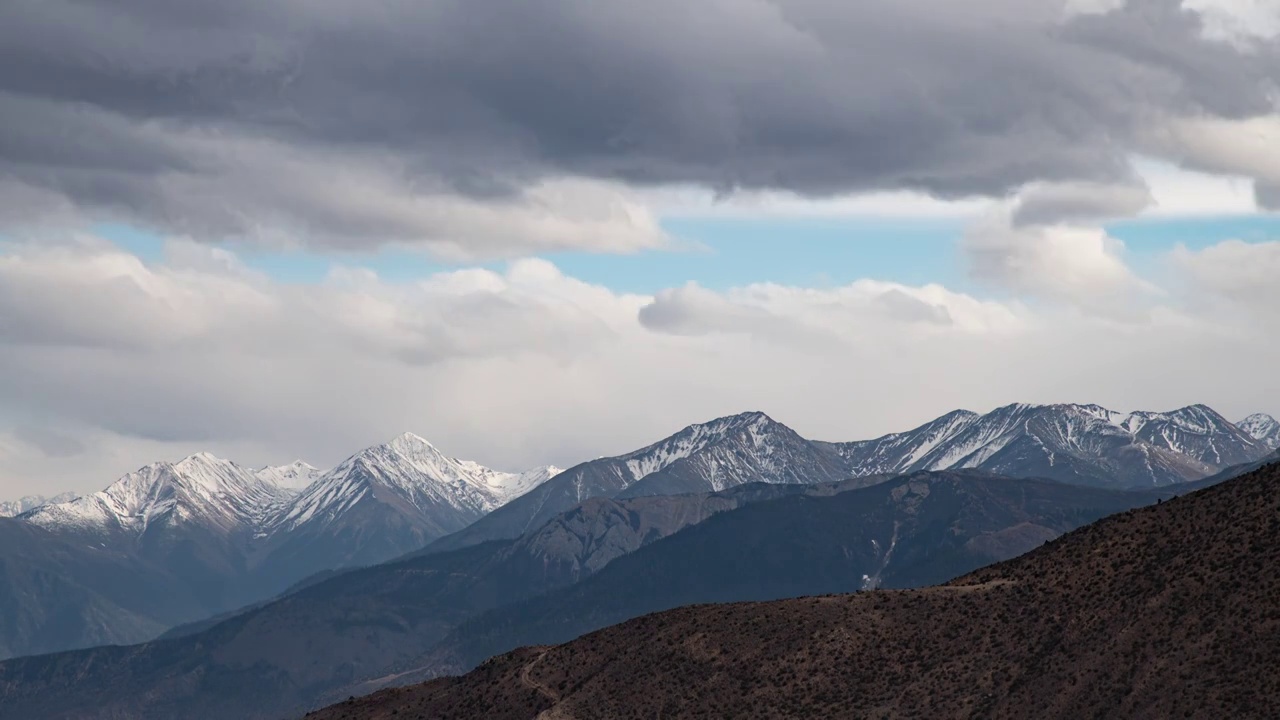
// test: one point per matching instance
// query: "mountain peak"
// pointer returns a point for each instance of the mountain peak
(1263, 428)
(408, 442)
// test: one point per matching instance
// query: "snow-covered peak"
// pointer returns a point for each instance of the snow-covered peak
(413, 474)
(13, 508)
(1263, 428)
(294, 477)
(509, 486)
(201, 489)
(696, 438)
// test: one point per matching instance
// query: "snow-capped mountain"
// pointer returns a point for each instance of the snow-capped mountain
(411, 474)
(1263, 428)
(386, 501)
(1086, 444)
(200, 490)
(228, 536)
(712, 456)
(294, 477)
(13, 508)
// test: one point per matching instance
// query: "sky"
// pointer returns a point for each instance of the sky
(545, 232)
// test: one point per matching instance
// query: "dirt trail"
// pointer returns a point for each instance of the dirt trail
(527, 680)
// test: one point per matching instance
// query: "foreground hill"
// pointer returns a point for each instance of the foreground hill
(1166, 611)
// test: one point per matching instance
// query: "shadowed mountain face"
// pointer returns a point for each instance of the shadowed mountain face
(385, 625)
(1165, 611)
(912, 531)
(56, 594)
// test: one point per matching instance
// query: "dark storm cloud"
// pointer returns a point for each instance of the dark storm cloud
(166, 110)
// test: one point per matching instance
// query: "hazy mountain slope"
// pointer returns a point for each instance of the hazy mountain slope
(910, 531)
(12, 508)
(1166, 611)
(56, 594)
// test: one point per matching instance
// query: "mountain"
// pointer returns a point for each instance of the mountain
(1263, 428)
(914, 530)
(294, 477)
(383, 502)
(198, 518)
(1166, 611)
(57, 594)
(708, 457)
(357, 626)
(202, 491)
(13, 508)
(392, 623)
(1081, 444)
(229, 537)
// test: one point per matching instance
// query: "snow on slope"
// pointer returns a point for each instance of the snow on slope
(12, 508)
(294, 477)
(198, 489)
(1073, 442)
(408, 470)
(1263, 428)
(221, 494)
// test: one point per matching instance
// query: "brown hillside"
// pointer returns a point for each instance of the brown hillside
(1171, 611)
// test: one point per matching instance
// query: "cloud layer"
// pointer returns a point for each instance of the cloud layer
(124, 362)
(501, 128)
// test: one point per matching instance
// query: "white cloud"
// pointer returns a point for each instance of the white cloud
(1239, 277)
(140, 361)
(1079, 265)
(1248, 147)
(1241, 22)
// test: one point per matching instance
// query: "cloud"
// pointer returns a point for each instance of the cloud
(498, 128)
(1077, 264)
(1065, 203)
(529, 365)
(1235, 276)
(1247, 147)
(51, 443)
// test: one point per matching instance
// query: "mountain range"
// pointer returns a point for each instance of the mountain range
(1077, 444)
(1158, 612)
(232, 537)
(603, 561)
